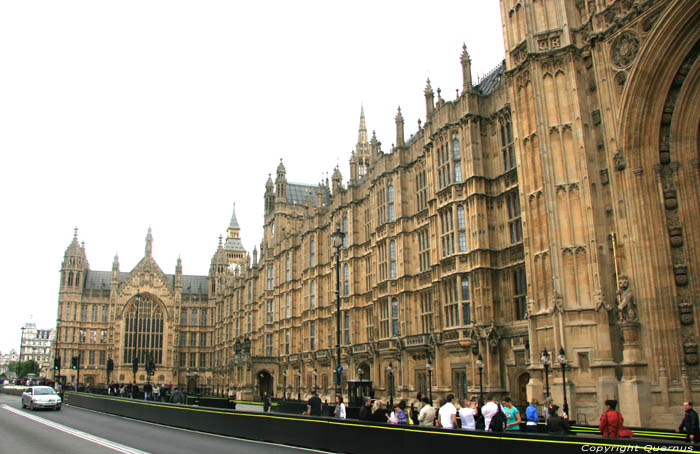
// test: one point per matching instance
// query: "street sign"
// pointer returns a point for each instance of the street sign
(339, 369)
(151, 372)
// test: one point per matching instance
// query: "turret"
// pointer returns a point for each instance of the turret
(233, 248)
(269, 196)
(178, 273)
(281, 182)
(466, 70)
(75, 266)
(115, 269)
(399, 129)
(429, 103)
(337, 181)
(149, 243)
(362, 156)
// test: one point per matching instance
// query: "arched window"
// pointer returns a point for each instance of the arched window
(457, 158)
(345, 229)
(312, 295)
(394, 318)
(143, 330)
(390, 200)
(312, 250)
(77, 279)
(392, 259)
(346, 279)
(70, 279)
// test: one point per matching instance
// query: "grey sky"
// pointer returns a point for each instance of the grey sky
(117, 116)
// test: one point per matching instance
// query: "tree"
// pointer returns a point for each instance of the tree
(22, 369)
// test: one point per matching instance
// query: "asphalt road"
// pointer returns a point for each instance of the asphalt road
(75, 430)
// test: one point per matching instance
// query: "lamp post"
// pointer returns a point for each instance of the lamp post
(562, 360)
(480, 365)
(298, 385)
(546, 361)
(390, 371)
(429, 367)
(135, 359)
(338, 236)
(284, 376)
(315, 377)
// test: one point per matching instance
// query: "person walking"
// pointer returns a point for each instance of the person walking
(266, 402)
(556, 424)
(513, 419)
(690, 425)
(177, 397)
(611, 422)
(447, 415)
(401, 413)
(313, 406)
(426, 415)
(379, 412)
(489, 410)
(531, 416)
(365, 410)
(339, 407)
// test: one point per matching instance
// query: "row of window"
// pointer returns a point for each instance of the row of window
(87, 357)
(98, 313)
(194, 316)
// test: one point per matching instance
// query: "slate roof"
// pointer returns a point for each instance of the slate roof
(99, 280)
(491, 81)
(298, 193)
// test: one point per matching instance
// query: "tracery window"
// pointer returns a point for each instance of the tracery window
(143, 331)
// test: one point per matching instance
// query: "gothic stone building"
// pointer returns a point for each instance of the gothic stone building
(548, 206)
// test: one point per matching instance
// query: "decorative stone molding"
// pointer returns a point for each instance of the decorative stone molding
(690, 348)
(619, 160)
(624, 49)
(685, 311)
(600, 302)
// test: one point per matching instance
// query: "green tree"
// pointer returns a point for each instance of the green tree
(22, 369)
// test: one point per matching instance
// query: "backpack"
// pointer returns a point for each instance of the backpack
(498, 422)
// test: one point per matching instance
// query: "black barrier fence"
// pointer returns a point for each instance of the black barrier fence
(349, 436)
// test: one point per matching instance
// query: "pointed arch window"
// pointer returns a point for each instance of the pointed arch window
(390, 200)
(456, 158)
(345, 229)
(143, 330)
(392, 259)
(346, 279)
(312, 250)
(70, 279)
(77, 279)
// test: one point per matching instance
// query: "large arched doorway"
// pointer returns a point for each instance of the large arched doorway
(520, 396)
(265, 383)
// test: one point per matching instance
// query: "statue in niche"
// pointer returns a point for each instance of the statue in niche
(627, 307)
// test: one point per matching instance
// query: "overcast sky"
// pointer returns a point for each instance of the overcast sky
(117, 116)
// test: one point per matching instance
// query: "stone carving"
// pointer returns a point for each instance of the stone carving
(493, 337)
(690, 348)
(670, 199)
(625, 49)
(681, 272)
(675, 234)
(600, 302)
(619, 160)
(558, 301)
(627, 306)
(685, 308)
(620, 78)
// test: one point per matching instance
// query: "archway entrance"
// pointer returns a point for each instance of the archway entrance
(521, 391)
(265, 383)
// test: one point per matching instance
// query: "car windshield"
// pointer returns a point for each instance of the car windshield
(43, 391)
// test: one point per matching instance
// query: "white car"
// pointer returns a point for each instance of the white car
(41, 397)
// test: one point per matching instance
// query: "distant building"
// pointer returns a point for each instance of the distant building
(6, 359)
(37, 344)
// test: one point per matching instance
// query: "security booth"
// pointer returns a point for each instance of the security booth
(358, 390)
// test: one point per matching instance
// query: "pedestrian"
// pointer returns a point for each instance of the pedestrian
(546, 407)
(339, 407)
(313, 406)
(531, 416)
(467, 414)
(426, 415)
(690, 425)
(134, 391)
(365, 410)
(447, 415)
(513, 419)
(415, 410)
(402, 413)
(611, 422)
(177, 397)
(147, 389)
(266, 402)
(489, 410)
(156, 393)
(479, 421)
(379, 412)
(555, 423)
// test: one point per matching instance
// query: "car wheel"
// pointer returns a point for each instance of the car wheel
(23, 406)
(58, 408)
(31, 406)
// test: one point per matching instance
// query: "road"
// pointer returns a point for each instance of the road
(75, 430)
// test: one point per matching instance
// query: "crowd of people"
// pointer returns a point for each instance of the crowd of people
(496, 415)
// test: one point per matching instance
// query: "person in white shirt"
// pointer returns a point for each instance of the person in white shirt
(489, 410)
(339, 407)
(447, 416)
(467, 413)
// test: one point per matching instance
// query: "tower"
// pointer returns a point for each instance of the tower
(361, 157)
(281, 182)
(74, 267)
(233, 247)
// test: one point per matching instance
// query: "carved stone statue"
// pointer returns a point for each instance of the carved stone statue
(627, 307)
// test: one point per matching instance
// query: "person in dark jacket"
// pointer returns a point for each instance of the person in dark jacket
(177, 397)
(556, 424)
(690, 425)
(365, 410)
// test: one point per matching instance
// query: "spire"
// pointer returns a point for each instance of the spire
(429, 105)
(399, 129)
(220, 241)
(362, 133)
(115, 263)
(234, 222)
(149, 243)
(466, 69)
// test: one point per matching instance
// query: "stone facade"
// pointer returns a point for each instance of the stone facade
(37, 345)
(548, 206)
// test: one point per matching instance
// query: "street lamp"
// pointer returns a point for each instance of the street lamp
(429, 366)
(284, 375)
(390, 371)
(135, 359)
(480, 365)
(315, 377)
(546, 361)
(338, 236)
(298, 385)
(562, 360)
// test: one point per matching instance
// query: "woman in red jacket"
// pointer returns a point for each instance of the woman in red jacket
(610, 420)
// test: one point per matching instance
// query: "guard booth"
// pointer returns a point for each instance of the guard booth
(357, 390)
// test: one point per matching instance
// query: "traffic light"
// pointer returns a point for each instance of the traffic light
(57, 363)
(74, 363)
(110, 365)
